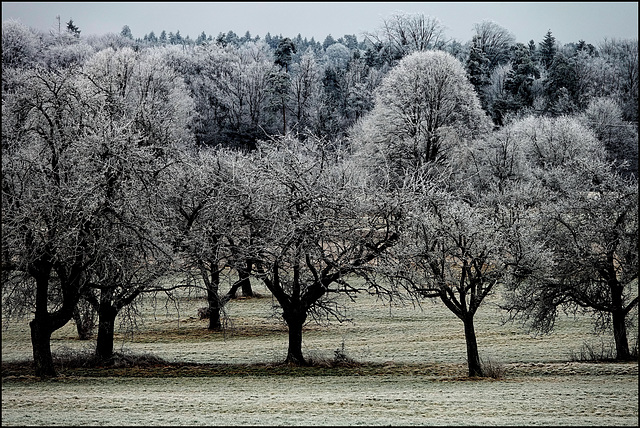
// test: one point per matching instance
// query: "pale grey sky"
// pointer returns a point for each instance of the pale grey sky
(568, 21)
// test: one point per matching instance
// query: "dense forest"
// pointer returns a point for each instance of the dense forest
(423, 167)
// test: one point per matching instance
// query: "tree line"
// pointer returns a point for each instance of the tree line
(406, 165)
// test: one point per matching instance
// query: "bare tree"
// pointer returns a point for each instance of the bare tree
(48, 204)
(206, 221)
(495, 41)
(305, 90)
(406, 33)
(588, 229)
(317, 227)
(459, 253)
(142, 113)
(620, 138)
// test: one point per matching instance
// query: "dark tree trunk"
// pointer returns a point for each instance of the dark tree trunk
(295, 321)
(214, 309)
(106, 327)
(620, 336)
(41, 325)
(41, 343)
(618, 313)
(284, 118)
(473, 357)
(245, 281)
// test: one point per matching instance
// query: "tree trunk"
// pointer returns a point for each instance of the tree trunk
(295, 321)
(106, 326)
(620, 336)
(618, 313)
(40, 326)
(284, 118)
(213, 299)
(245, 280)
(41, 343)
(473, 357)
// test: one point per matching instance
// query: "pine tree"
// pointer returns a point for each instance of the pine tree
(478, 69)
(548, 50)
(126, 32)
(73, 29)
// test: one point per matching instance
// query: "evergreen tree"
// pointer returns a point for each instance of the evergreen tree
(328, 41)
(478, 69)
(547, 50)
(126, 32)
(518, 84)
(284, 53)
(561, 85)
(73, 29)
(201, 38)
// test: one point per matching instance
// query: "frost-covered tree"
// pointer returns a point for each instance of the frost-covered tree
(20, 46)
(305, 90)
(49, 204)
(620, 138)
(423, 108)
(142, 113)
(494, 41)
(622, 55)
(317, 224)
(206, 221)
(126, 32)
(405, 33)
(588, 229)
(457, 252)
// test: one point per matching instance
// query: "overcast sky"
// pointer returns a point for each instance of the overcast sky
(568, 21)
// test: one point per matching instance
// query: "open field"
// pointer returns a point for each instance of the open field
(411, 371)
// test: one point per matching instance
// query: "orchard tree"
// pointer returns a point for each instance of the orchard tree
(318, 225)
(423, 108)
(589, 230)
(467, 232)
(459, 253)
(49, 203)
(142, 113)
(205, 219)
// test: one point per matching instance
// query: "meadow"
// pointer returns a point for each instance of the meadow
(404, 365)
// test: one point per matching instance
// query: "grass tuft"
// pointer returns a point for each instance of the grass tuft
(600, 352)
(492, 369)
